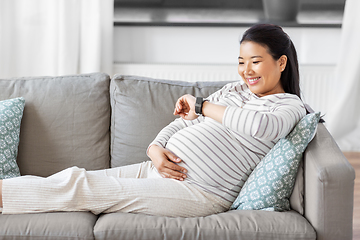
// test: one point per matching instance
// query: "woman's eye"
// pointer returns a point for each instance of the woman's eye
(241, 63)
(256, 62)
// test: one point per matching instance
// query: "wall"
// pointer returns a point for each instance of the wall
(213, 45)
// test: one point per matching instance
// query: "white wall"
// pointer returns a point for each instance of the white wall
(213, 45)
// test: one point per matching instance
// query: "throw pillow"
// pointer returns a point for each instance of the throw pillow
(271, 183)
(11, 112)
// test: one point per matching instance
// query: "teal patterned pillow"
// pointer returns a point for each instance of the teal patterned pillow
(270, 185)
(11, 112)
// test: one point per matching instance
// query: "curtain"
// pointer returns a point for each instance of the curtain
(344, 116)
(55, 37)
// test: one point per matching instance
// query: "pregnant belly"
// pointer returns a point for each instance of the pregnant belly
(190, 145)
(205, 153)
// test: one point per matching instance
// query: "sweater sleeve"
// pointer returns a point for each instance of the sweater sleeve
(267, 125)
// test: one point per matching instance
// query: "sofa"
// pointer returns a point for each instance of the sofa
(95, 122)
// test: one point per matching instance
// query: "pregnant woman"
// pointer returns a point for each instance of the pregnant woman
(200, 161)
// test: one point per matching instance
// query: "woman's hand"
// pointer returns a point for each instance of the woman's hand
(164, 161)
(185, 107)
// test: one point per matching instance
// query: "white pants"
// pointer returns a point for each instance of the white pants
(135, 188)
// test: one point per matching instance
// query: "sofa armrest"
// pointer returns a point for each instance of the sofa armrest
(329, 188)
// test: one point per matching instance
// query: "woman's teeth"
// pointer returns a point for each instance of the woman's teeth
(252, 80)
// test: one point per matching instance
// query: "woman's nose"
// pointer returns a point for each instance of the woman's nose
(248, 69)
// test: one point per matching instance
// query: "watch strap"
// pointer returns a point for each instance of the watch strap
(198, 105)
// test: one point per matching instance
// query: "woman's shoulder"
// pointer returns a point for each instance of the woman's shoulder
(283, 97)
(286, 101)
(237, 86)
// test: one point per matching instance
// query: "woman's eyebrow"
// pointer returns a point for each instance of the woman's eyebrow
(251, 57)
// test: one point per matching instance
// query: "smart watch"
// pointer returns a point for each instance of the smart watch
(199, 105)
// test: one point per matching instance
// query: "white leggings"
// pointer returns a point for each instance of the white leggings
(135, 188)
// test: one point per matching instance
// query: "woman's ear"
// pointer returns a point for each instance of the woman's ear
(282, 62)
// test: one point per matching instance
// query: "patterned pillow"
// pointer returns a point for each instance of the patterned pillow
(270, 185)
(11, 112)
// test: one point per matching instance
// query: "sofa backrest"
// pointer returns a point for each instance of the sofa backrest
(66, 122)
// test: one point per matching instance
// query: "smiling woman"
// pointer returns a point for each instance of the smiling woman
(269, 49)
(259, 70)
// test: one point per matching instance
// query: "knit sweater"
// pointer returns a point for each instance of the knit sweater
(220, 156)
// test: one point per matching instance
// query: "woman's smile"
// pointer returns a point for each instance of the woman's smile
(253, 81)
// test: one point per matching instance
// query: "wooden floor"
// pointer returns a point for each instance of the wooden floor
(354, 159)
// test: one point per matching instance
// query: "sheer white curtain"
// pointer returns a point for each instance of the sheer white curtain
(55, 37)
(343, 119)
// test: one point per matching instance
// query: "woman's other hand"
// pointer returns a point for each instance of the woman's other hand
(164, 161)
(185, 107)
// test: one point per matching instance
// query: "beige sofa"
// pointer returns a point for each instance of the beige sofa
(95, 122)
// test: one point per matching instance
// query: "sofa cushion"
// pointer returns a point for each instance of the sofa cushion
(57, 225)
(229, 225)
(271, 183)
(141, 107)
(11, 112)
(66, 122)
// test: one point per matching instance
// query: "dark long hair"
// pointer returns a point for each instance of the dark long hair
(278, 43)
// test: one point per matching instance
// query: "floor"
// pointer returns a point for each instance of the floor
(354, 159)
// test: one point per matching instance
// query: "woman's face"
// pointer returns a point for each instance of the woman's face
(259, 70)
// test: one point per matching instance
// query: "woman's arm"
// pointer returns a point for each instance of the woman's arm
(267, 125)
